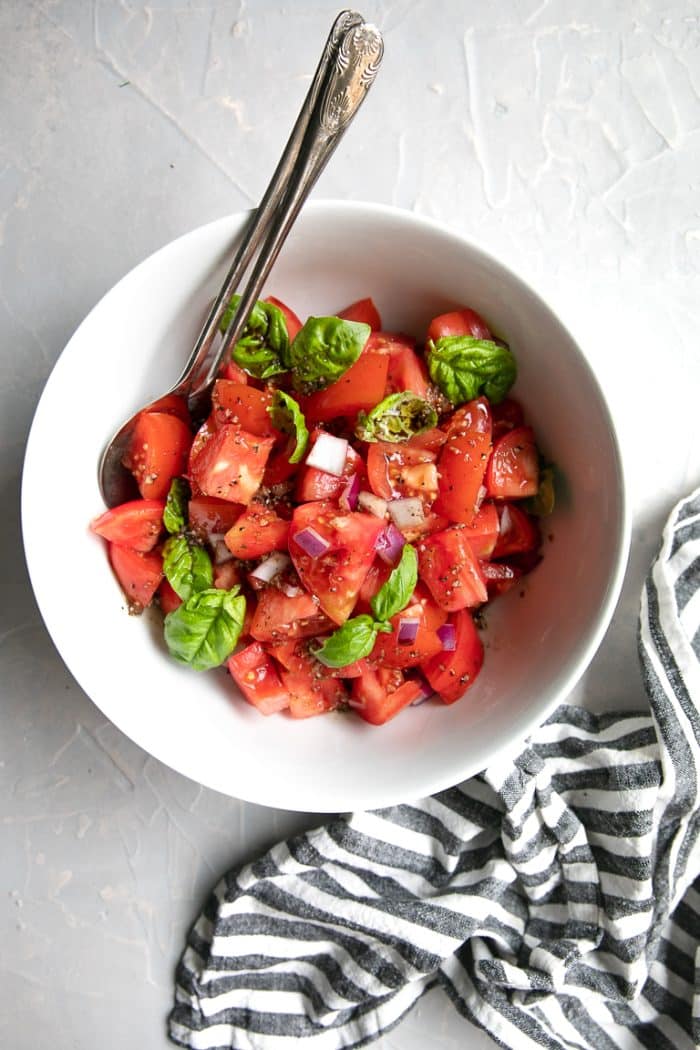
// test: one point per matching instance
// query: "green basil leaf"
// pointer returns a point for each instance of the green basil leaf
(464, 367)
(175, 513)
(354, 640)
(397, 418)
(263, 348)
(187, 566)
(204, 630)
(288, 417)
(324, 349)
(395, 594)
(543, 503)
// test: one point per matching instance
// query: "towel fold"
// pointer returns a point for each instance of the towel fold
(555, 898)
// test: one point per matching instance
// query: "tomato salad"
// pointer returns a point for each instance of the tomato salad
(352, 501)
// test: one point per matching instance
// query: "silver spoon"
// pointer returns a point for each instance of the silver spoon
(346, 71)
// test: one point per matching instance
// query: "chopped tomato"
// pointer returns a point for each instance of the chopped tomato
(519, 532)
(380, 694)
(231, 464)
(358, 389)
(432, 439)
(402, 471)
(337, 575)
(449, 567)
(255, 675)
(278, 617)
(293, 323)
(309, 696)
(390, 652)
(139, 573)
(258, 531)
(376, 577)
(463, 461)
(407, 371)
(499, 576)
(136, 524)
(482, 532)
(168, 599)
(226, 575)
(513, 470)
(434, 616)
(242, 404)
(157, 452)
(203, 435)
(451, 673)
(506, 415)
(233, 372)
(208, 515)
(174, 404)
(313, 484)
(458, 322)
(364, 311)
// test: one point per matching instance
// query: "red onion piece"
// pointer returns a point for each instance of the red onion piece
(271, 566)
(448, 636)
(408, 629)
(389, 544)
(328, 454)
(290, 589)
(351, 490)
(406, 513)
(372, 504)
(311, 542)
(426, 690)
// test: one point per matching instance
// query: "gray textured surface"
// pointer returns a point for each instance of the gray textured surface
(564, 135)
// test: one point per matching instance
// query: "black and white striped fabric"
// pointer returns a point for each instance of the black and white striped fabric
(556, 900)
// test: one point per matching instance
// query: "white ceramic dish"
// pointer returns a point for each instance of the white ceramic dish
(539, 638)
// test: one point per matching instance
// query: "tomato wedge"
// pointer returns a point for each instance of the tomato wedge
(380, 694)
(243, 404)
(390, 652)
(482, 532)
(278, 617)
(513, 470)
(451, 673)
(364, 311)
(402, 471)
(157, 452)
(458, 322)
(337, 575)
(463, 462)
(255, 675)
(309, 696)
(136, 524)
(231, 464)
(139, 573)
(449, 567)
(258, 531)
(208, 515)
(358, 389)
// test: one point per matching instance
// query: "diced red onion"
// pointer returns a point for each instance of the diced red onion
(351, 490)
(389, 544)
(408, 629)
(290, 589)
(426, 690)
(448, 636)
(406, 513)
(220, 551)
(311, 542)
(371, 503)
(271, 566)
(354, 702)
(328, 454)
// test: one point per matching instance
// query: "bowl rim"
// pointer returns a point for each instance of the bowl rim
(619, 556)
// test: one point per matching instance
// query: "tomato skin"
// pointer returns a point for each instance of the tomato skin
(358, 389)
(458, 322)
(243, 404)
(293, 323)
(507, 415)
(231, 464)
(233, 372)
(255, 675)
(278, 617)
(463, 462)
(406, 371)
(257, 532)
(136, 524)
(376, 701)
(174, 405)
(483, 531)
(337, 575)
(157, 452)
(168, 600)
(139, 574)
(513, 470)
(450, 570)
(452, 673)
(434, 616)
(208, 516)
(519, 532)
(364, 311)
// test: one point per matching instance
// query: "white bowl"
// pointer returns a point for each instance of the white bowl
(539, 638)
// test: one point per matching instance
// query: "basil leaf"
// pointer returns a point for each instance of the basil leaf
(263, 348)
(543, 503)
(187, 566)
(175, 513)
(464, 367)
(397, 418)
(204, 630)
(288, 417)
(350, 642)
(395, 594)
(324, 349)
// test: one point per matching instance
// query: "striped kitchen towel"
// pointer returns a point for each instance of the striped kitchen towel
(556, 899)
